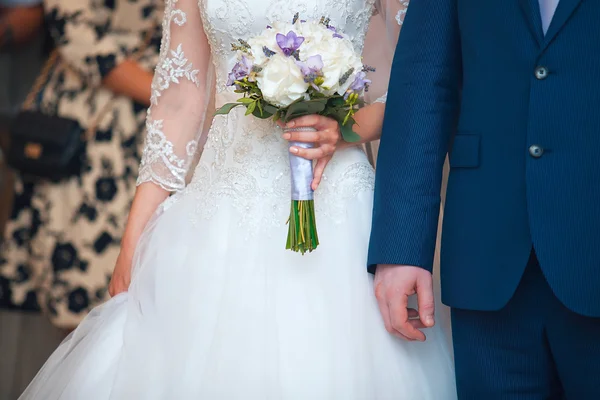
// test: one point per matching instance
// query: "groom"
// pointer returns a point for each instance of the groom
(512, 89)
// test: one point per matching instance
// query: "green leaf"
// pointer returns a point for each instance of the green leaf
(263, 115)
(347, 133)
(337, 101)
(226, 109)
(251, 108)
(316, 107)
(297, 108)
(270, 109)
(261, 111)
(245, 100)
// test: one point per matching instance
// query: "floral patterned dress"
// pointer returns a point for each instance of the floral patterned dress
(62, 240)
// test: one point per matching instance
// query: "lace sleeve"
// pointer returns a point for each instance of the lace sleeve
(380, 44)
(180, 95)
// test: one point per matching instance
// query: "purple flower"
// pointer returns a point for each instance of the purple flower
(311, 69)
(335, 32)
(289, 43)
(312, 65)
(240, 70)
(360, 83)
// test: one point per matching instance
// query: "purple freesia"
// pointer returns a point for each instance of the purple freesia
(311, 69)
(360, 83)
(240, 70)
(335, 32)
(312, 65)
(289, 43)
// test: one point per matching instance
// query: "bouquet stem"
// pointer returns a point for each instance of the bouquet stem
(302, 232)
(302, 226)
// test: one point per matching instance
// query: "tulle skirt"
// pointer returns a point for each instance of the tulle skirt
(215, 314)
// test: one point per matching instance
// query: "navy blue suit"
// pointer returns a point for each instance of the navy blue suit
(519, 112)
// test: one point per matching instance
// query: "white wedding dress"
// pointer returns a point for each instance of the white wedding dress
(217, 308)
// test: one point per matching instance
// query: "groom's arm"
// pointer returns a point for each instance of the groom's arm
(421, 116)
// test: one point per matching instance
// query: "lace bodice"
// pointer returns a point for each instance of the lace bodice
(244, 159)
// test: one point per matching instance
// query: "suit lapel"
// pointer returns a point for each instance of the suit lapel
(531, 11)
(565, 9)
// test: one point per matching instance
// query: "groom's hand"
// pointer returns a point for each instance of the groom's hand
(393, 285)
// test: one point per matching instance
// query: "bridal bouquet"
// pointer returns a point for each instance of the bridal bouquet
(296, 69)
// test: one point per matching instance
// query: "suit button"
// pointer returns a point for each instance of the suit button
(541, 73)
(536, 151)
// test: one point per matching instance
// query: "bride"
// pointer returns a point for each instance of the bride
(211, 305)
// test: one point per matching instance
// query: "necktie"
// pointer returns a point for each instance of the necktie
(547, 9)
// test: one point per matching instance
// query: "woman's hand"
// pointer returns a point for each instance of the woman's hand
(327, 139)
(146, 200)
(121, 277)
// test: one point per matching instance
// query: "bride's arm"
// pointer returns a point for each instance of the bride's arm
(180, 94)
(380, 45)
(369, 122)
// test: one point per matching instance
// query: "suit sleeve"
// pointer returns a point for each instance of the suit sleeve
(421, 116)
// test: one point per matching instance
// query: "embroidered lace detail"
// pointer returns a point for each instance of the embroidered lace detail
(170, 70)
(159, 163)
(402, 12)
(382, 99)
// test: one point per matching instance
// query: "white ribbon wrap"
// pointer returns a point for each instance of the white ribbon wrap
(301, 169)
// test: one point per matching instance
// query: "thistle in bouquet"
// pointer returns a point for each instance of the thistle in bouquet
(295, 69)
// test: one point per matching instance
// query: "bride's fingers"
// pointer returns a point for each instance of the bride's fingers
(324, 150)
(318, 172)
(305, 121)
(305, 137)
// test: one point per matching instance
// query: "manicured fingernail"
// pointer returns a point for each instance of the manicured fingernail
(294, 150)
(287, 136)
(429, 321)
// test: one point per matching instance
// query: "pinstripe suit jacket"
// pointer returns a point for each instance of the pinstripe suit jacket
(464, 78)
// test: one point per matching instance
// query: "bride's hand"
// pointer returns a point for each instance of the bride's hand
(327, 139)
(121, 277)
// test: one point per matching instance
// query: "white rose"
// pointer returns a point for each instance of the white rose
(313, 32)
(338, 55)
(281, 81)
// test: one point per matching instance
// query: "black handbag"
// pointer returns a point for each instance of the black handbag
(45, 146)
(51, 147)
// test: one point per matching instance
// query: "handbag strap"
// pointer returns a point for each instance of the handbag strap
(55, 61)
(40, 81)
